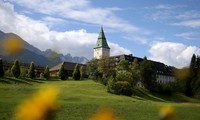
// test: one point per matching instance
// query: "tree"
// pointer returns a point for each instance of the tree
(46, 72)
(16, 69)
(1, 68)
(123, 65)
(125, 76)
(76, 73)
(91, 69)
(31, 71)
(83, 72)
(148, 74)
(106, 66)
(24, 72)
(135, 70)
(62, 74)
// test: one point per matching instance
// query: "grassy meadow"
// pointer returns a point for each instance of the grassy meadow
(79, 100)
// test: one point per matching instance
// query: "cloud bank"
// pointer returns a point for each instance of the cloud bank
(36, 32)
(175, 54)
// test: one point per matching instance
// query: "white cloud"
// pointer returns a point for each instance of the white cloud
(188, 35)
(175, 54)
(188, 15)
(79, 10)
(189, 23)
(78, 43)
(117, 50)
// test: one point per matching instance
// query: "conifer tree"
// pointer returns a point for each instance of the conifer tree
(82, 72)
(190, 82)
(62, 75)
(76, 73)
(1, 68)
(16, 69)
(46, 72)
(31, 71)
(148, 74)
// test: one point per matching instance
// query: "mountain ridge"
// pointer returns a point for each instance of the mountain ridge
(31, 53)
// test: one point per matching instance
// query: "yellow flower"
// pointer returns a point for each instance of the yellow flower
(12, 44)
(167, 113)
(40, 106)
(104, 114)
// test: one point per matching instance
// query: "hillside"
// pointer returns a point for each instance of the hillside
(78, 100)
(31, 53)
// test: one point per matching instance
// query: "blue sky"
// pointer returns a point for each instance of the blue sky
(163, 30)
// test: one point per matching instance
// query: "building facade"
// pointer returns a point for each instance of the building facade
(101, 49)
(164, 73)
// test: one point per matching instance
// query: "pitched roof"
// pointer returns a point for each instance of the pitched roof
(101, 42)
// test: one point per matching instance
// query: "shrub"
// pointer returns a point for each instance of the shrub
(110, 85)
(122, 87)
(24, 72)
(46, 73)
(76, 73)
(166, 89)
(41, 76)
(8, 73)
(16, 69)
(82, 72)
(1, 68)
(31, 71)
(125, 76)
(62, 74)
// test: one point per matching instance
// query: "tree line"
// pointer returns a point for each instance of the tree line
(124, 77)
(18, 71)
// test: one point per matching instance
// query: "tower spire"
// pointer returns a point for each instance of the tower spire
(102, 42)
(101, 49)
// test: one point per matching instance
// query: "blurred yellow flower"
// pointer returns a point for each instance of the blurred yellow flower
(12, 45)
(104, 114)
(40, 106)
(167, 113)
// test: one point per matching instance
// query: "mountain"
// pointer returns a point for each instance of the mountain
(30, 53)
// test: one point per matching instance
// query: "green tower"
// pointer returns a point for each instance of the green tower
(101, 49)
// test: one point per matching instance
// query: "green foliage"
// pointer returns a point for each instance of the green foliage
(76, 73)
(31, 71)
(46, 73)
(82, 72)
(106, 66)
(167, 88)
(125, 76)
(135, 71)
(91, 69)
(62, 74)
(24, 72)
(16, 69)
(192, 82)
(1, 68)
(148, 75)
(123, 65)
(41, 76)
(123, 87)
(110, 85)
(119, 87)
(8, 73)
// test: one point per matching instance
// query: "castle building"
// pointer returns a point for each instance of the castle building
(164, 73)
(101, 49)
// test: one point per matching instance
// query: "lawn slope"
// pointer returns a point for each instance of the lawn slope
(78, 100)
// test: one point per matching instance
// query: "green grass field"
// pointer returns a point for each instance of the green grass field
(78, 100)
